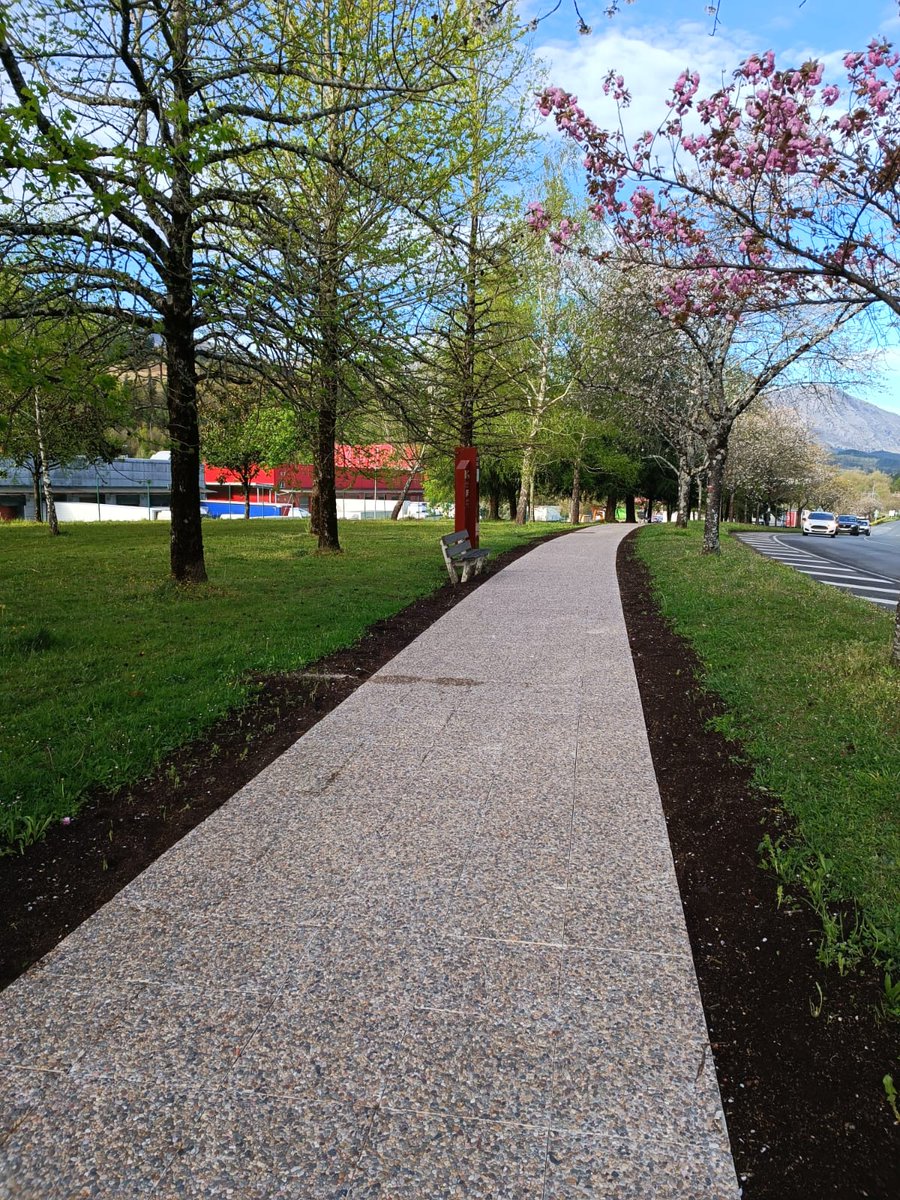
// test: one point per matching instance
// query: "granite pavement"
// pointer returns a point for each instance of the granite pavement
(435, 950)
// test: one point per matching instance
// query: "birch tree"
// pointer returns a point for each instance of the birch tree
(60, 399)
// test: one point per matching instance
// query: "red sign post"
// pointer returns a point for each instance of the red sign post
(466, 492)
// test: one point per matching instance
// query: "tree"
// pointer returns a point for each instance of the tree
(539, 373)
(735, 361)
(646, 370)
(246, 433)
(772, 459)
(740, 332)
(472, 323)
(123, 183)
(806, 170)
(59, 398)
(324, 282)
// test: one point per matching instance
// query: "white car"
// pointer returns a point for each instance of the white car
(864, 526)
(820, 522)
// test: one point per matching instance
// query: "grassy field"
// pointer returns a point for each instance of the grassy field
(804, 672)
(107, 666)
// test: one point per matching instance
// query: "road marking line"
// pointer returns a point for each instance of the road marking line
(857, 587)
(841, 573)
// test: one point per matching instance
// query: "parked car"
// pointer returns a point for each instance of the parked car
(820, 522)
(864, 526)
(848, 524)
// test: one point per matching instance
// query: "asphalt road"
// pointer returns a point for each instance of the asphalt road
(869, 567)
(879, 553)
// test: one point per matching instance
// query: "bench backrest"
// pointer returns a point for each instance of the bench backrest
(456, 544)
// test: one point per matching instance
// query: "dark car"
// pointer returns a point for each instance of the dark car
(847, 524)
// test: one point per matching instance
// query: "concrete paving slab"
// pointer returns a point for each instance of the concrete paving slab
(585, 1167)
(435, 950)
(410, 1156)
(488, 977)
(249, 1145)
(487, 1068)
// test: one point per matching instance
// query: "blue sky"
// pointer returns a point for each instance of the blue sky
(651, 41)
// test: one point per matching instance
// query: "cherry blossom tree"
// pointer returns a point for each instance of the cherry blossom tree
(807, 169)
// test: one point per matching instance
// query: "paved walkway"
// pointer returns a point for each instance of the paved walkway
(435, 950)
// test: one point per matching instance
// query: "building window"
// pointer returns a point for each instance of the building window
(123, 498)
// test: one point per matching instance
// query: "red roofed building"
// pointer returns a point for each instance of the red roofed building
(369, 479)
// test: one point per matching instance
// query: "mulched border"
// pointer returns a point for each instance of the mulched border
(61, 881)
(803, 1093)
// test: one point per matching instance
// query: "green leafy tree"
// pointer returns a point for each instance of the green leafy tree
(476, 216)
(244, 434)
(60, 399)
(124, 185)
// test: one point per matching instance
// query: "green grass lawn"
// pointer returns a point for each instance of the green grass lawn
(804, 672)
(107, 665)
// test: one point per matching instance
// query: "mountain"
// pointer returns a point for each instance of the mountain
(841, 421)
(868, 460)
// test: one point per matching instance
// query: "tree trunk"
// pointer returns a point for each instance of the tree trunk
(329, 364)
(630, 516)
(611, 501)
(718, 453)
(36, 488)
(523, 507)
(326, 430)
(52, 522)
(467, 364)
(575, 513)
(511, 497)
(315, 508)
(651, 500)
(246, 481)
(493, 506)
(398, 507)
(731, 505)
(186, 546)
(684, 495)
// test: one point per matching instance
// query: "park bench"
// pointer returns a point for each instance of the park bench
(458, 554)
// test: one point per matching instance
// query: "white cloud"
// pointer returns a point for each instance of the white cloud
(652, 56)
(650, 59)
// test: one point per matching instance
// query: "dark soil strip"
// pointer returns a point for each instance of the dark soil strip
(58, 883)
(802, 1093)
